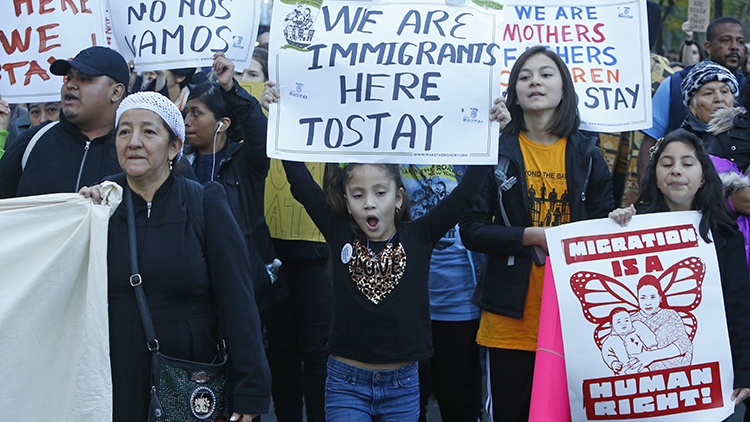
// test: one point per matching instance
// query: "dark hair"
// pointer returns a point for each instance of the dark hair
(187, 72)
(743, 65)
(261, 55)
(712, 30)
(709, 199)
(744, 97)
(209, 93)
(701, 53)
(334, 185)
(649, 280)
(566, 120)
(653, 11)
(178, 168)
(616, 311)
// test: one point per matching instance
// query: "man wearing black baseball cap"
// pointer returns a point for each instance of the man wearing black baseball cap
(79, 150)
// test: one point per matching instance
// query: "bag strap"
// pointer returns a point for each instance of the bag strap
(504, 183)
(33, 141)
(135, 279)
(195, 210)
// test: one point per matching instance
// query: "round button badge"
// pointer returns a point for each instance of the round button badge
(346, 253)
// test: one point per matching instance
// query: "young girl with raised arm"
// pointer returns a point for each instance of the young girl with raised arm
(380, 265)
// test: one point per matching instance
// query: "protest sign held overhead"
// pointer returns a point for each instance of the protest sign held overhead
(699, 13)
(170, 34)
(37, 32)
(643, 322)
(605, 45)
(401, 82)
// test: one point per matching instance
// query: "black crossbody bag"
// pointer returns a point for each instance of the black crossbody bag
(181, 390)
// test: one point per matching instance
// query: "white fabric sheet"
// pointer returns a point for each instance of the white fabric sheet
(54, 335)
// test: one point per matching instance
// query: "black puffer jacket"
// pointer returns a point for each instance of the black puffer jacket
(504, 281)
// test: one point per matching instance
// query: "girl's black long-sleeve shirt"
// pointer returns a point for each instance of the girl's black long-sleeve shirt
(386, 326)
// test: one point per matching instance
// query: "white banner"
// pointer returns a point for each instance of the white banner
(605, 45)
(173, 34)
(54, 325)
(34, 34)
(389, 81)
(643, 320)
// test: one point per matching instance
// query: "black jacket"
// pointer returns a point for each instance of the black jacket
(16, 128)
(190, 293)
(501, 288)
(734, 142)
(56, 160)
(242, 172)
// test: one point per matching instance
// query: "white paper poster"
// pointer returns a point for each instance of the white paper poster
(389, 81)
(605, 46)
(35, 33)
(172, 34)
(643, 320)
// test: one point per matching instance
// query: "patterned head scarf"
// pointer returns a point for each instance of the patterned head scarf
(159, 104)
(704, 72)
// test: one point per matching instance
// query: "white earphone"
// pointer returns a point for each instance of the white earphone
(221, 125)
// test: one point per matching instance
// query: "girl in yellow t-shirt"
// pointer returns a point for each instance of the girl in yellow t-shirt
(549, 174)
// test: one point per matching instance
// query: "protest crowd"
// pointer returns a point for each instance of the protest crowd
(413, 282)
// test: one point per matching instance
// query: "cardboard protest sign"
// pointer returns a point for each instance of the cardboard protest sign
(390, 81)
(605, 45)
(699, 13)
(172, 34)
(643, 320)
(37, 32)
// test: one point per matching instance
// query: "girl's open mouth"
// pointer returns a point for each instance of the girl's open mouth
(372, 222)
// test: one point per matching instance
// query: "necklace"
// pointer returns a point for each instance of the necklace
(374, 257)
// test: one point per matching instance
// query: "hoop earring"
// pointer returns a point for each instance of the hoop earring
(398, 210)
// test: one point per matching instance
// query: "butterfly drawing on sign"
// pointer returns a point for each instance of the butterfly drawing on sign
(627, 322)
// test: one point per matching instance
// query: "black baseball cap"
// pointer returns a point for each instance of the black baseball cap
(95, 61)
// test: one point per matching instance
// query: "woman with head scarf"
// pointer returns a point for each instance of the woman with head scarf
(706, 90)
(196, 282)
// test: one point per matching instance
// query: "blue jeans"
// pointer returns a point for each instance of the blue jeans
(357, 395)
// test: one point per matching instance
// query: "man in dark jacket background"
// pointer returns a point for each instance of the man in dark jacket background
(79, 150)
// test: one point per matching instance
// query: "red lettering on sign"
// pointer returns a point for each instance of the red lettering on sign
(35, 69)
(15, 41)
(43, 37)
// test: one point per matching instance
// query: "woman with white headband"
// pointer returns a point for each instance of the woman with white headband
(195, 280)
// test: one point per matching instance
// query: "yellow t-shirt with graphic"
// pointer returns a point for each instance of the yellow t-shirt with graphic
(547, 199)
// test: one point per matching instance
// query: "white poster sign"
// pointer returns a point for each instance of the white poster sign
(643, 320)
(172, 34)
(389, 81)
(34, 34)
(605, 45)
